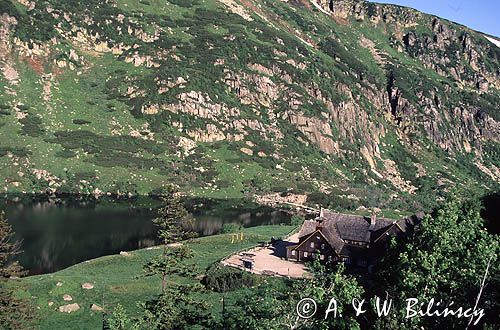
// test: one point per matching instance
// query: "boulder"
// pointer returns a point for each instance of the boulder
(96, 308)
(69, 308)
(125, 254)
(67, 297)
(87, 286)
(59, 284)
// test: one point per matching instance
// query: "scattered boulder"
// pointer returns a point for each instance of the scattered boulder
(69, 308)
(67, 297)
(125, 254)
(59, 284)
(247, 151)
(51, 303)
(96, 308)
(87, 286)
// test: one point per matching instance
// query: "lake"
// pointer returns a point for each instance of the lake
(59, 233)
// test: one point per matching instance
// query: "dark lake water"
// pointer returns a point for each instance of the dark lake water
(57, 235)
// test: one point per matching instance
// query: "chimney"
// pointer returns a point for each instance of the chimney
(319, 222)
(373, 219)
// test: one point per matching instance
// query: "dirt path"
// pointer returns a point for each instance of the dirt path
(270, 260)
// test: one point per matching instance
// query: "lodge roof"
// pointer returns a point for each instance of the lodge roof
(342, 229)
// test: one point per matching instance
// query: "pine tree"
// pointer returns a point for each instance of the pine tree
(15, 313)
(172, 220)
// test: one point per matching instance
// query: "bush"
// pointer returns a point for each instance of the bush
(230, 228)
(80, 122)
(223, 279)
(65, 153)
(296, 220)
(32, 126)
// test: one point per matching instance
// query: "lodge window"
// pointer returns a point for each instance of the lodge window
(293, 252)
(312, 245)
(322, 257)
(322, 246)
(346, 260)
(305, 254)
(329, 258)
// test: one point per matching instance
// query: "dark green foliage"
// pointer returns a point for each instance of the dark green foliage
(95, 144)
(184, 3)
(173, 308)
(172, 223)
(445, 260)
(296, 220)
(39, 25)
(270, 307)
(230, 228)
(32, 126)
(264, 307)
(15, 313)
(65, 153)
(20, 152)
(81, 122)
(333, 200)
(349, 63)
(122, 159)
(490, 211)
(223, 279)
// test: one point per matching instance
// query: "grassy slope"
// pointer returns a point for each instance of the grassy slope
(118, 279)
(94, 93)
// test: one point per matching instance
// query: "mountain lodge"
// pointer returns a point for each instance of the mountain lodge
(352, 239)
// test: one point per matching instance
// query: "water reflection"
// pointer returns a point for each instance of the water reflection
(58, 235)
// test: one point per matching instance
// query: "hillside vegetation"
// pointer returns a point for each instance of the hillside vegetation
(352, 103)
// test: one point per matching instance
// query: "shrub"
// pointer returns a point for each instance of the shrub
(296, 220)
(32, 126)
(229, 228)
(20, 152)
(80, 121)
(65, 153)
(223, 279)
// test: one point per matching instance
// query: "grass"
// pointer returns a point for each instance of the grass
(86, 124)
(118, 279)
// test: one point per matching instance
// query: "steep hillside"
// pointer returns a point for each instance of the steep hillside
(352, 103)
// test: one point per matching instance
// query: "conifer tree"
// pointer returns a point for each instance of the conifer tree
(172, 220)
(15, 313)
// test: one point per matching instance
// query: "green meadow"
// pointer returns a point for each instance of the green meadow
(119, 279)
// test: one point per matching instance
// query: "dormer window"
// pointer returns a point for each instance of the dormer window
(322, 246)
(312, 245)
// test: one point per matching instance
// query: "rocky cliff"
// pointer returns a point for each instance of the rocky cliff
(351, 103)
